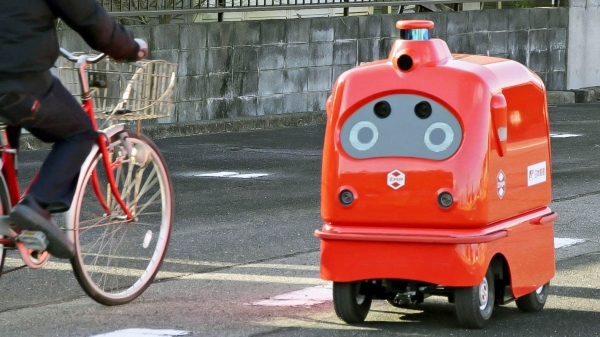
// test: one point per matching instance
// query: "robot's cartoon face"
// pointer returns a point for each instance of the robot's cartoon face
(401, 126)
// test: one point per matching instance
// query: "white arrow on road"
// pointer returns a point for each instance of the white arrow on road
(145, 333)
(564, 135)
(566, 242)
(231, 175)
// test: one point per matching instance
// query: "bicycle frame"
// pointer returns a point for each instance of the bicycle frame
(8, 158)
(88, 106)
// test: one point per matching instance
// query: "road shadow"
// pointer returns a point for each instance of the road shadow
(439, 319)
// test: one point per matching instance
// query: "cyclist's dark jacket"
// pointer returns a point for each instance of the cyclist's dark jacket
(29, 45)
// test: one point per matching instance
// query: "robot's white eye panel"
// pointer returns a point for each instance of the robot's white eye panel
(401, 126)
(438, 136)
(363, 135)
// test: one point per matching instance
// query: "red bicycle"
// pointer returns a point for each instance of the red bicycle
(121, 216)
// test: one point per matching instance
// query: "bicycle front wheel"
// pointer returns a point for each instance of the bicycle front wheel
(117, 259)
(4, 210)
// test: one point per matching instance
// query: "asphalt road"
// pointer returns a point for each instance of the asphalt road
(238, 241)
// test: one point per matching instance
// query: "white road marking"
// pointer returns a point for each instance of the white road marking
(227, 174)
(145, 333)
(216, 174)
(301, 298)
(566, 242)
(252, 278)
(11, 262)
(564, 135)
(250, 175)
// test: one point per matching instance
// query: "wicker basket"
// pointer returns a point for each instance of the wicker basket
(125, 91)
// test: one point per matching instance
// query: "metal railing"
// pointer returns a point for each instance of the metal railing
(183, 7)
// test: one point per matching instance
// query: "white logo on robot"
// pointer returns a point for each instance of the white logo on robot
(501, 184)
(396, 179)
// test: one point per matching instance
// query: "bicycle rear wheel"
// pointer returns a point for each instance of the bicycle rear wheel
(116, 260)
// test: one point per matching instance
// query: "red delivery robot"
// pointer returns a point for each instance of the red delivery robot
(436, 181)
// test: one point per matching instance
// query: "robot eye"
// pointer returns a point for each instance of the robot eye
(382, 109)
(438, 137)
(423, 110)
(363, 135)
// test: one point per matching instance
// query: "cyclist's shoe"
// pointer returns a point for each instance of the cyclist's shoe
(29, 215)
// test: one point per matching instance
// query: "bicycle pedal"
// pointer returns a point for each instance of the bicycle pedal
(33, 240)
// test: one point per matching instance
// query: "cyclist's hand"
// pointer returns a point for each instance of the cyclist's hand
(143, 52)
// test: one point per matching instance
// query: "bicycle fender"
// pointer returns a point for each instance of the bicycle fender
(113, 130)
(70, 214)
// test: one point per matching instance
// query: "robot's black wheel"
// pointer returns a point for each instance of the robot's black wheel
(474, 305)
(350, 305)
(534, 301)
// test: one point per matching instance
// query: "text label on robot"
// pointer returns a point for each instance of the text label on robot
(536, 173)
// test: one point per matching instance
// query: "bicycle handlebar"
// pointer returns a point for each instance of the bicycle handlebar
(88, 59)
(142, 53)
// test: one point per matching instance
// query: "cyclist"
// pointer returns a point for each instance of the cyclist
(30, 97)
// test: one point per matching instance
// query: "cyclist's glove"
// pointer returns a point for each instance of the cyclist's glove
(143, 51)
(141, 54)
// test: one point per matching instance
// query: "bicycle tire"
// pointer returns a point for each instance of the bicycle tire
(117, 272)
(5, 205)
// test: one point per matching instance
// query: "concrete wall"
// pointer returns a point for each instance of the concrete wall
(534, 37)
(584, 46)
(250, 68)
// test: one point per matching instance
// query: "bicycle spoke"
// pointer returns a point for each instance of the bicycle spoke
(111, 250)
(114, 250)
(109, 224)
(150, 201)
(127, 185)
(101, 240)
(147, 223)
(95, 221)
(151, 180)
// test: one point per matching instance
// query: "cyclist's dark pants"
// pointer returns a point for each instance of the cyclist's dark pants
(56, 118)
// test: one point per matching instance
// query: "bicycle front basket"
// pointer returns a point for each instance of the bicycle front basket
(126, 91)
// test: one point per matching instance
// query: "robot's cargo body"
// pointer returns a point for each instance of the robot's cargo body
(436, 181)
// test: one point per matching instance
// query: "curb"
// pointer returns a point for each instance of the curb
(583, 95)
(560, 97)
(240, 124)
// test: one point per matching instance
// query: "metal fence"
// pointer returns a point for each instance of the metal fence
(183, 7)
